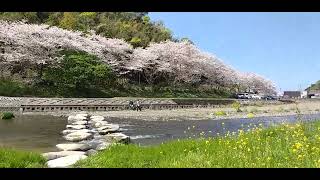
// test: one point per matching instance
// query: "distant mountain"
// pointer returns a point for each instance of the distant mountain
(315, 86)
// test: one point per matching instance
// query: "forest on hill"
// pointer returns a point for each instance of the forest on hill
(135, 28)
(315, 86)
(63, 55)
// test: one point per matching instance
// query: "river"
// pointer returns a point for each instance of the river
(41, 133)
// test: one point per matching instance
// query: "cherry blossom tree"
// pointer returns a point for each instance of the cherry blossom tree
(173, 62)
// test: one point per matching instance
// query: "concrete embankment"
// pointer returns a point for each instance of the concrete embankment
(115, 104)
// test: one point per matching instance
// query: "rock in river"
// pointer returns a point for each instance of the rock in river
(117, 137)
(100, 124)
(103, 146)
(78, 136)
(97, 118)
(108, 129)
(82, 115)
(65, 161)
(68, 131)
(55, 155)
(72, 119)
(91, 152)
(76, 127)
(73, 147)
(80, 123)
(93, 143)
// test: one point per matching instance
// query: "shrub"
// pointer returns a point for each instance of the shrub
(220, 113)
(250, 115)
(236, 105)
(79, 73)
(7, 115)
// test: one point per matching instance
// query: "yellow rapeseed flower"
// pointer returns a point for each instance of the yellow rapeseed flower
(297, 145)
(294, 150)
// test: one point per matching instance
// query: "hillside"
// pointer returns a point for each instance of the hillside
(315, 86)
(136, 28)
(42, 56)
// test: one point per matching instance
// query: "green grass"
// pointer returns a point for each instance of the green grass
(296, 145)
(236, 105)
(10, 158)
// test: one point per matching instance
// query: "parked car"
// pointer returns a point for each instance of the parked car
(243, 96)
(268, 97)
(255, 96)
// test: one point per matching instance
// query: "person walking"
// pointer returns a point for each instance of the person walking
(131, 105)
(138, 106)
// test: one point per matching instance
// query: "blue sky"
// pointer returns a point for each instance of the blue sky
(284, 47)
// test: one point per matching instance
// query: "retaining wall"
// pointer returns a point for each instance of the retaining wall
(114, 104)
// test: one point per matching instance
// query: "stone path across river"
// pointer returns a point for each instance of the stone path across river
(96, 135)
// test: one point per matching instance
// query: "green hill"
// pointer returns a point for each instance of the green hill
(134, 27)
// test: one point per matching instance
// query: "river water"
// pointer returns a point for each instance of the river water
(35, 133)
(41, 133)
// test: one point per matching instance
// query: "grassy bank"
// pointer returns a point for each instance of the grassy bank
(10, 158)
(281, 146)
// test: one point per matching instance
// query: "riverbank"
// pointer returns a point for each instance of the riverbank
(266, 110)
(281, 146)
(11, 158)
(276, 147)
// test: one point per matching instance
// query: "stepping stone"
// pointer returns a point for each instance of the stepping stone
(73, 147)
(91, 152)
(68, 131)
(66, 161)
(80, 123)
(55, 155)
(76, 127)
(100, 124)
(82, 115)
(78, 136)
(108, 129)
(117, 137)
(72, 119)
(103, 146)
(97, 118)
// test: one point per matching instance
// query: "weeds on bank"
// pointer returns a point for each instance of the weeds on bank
(236, 105)
(10, 158)
(220, 113)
